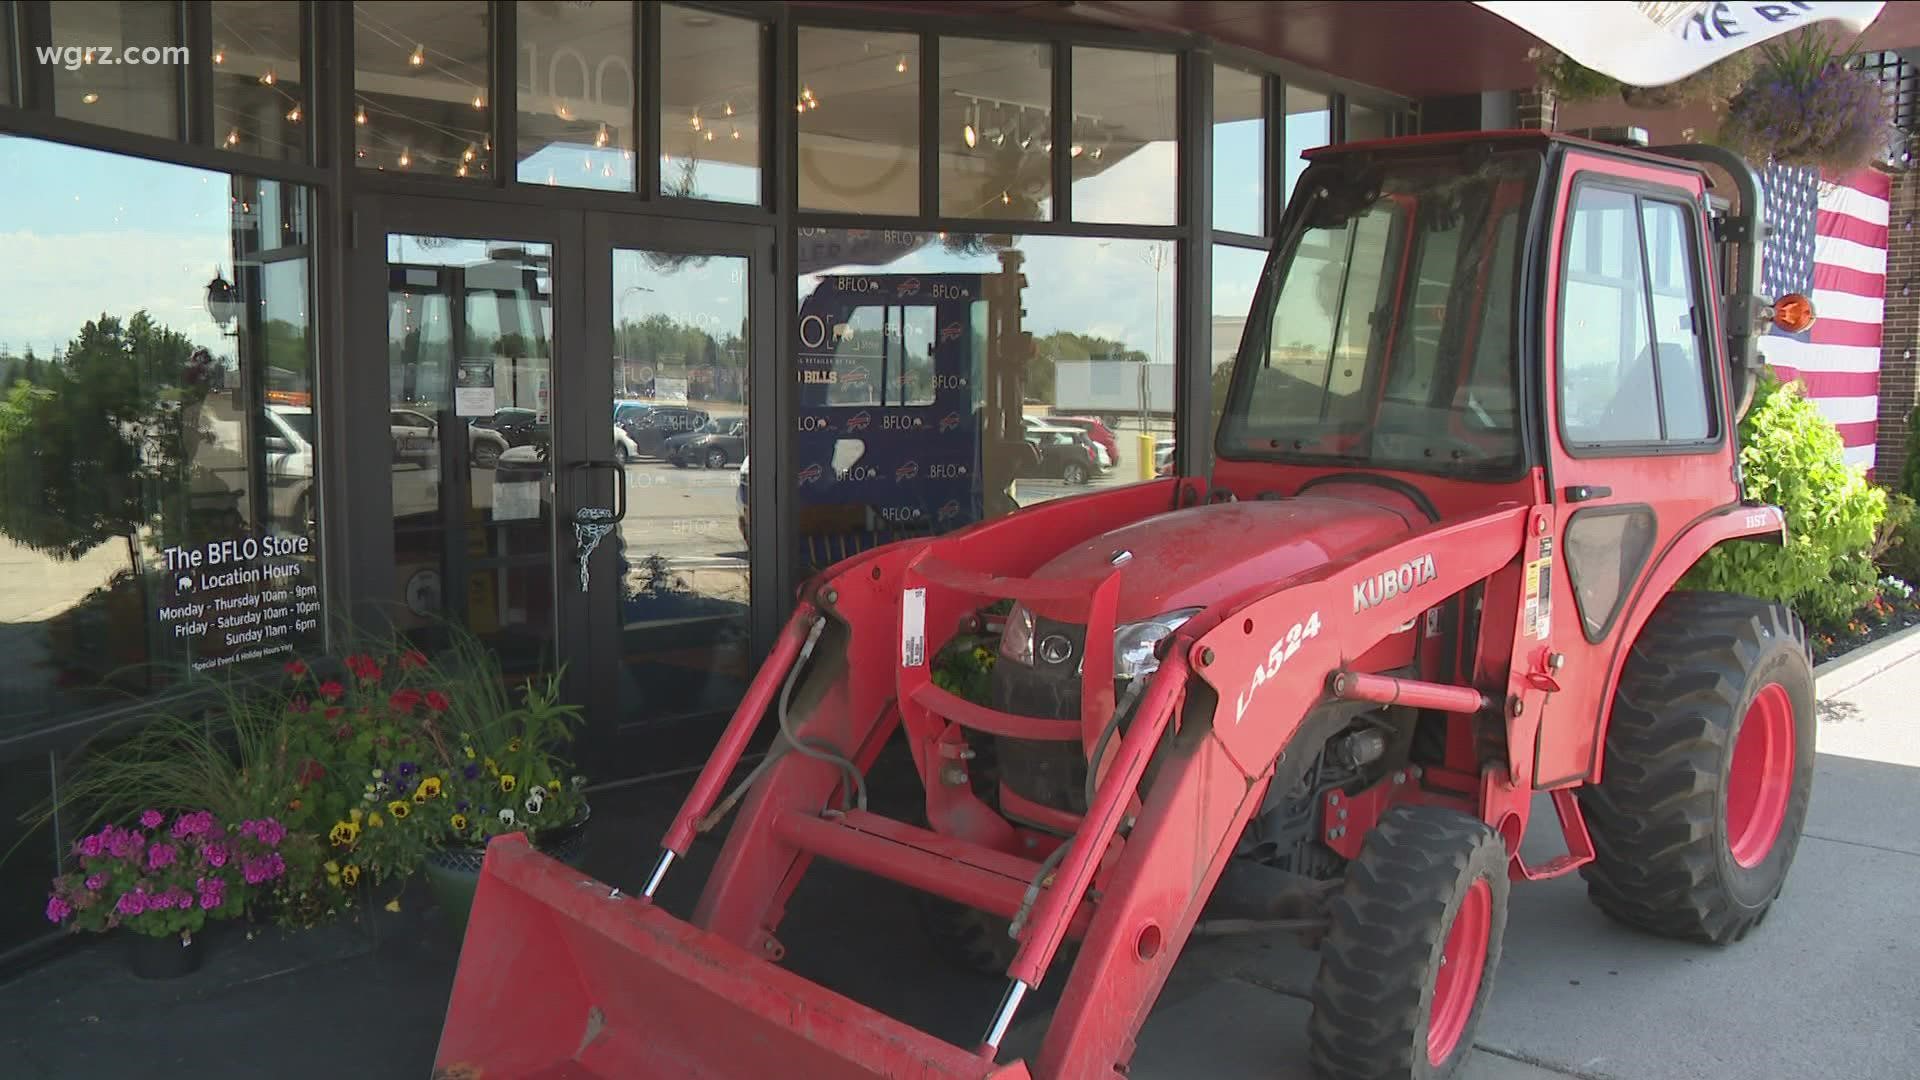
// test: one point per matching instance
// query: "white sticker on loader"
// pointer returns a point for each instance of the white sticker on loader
(913, 628)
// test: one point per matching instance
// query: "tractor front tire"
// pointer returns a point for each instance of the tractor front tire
(1409, 958)
(1709, 766)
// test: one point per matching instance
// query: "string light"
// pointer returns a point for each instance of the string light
(293, 115)
(233, 137)
(479, 102)
(268, 79)
(89, 98)
(467, 154)
(901, 67)
(1005, 199)
(406, 158)
(600, 139)
(729, 108)
(696, 120)
(219, 57)
(360, 115)
(461, 171)
(419, 56)
(709, 136)
(1077, 150)
(735, 134)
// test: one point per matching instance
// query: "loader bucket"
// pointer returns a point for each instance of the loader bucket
(559, 976)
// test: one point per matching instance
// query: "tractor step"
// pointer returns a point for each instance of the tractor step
(563, 976)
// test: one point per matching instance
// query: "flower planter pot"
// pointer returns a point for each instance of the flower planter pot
(453, 873)
(167, 957)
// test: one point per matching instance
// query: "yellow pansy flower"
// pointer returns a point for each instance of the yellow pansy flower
(513, 746)
(429, 788)
(374, 820)
(344, 833)
(349, 874)
(553, 786)
(507, 782)
(398, 809)
(459, 822)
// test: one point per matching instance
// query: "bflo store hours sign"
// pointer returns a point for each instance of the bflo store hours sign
(240, 598)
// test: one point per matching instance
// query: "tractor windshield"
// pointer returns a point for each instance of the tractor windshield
(1384, 334)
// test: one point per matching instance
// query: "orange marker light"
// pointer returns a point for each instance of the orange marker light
(1793, 313)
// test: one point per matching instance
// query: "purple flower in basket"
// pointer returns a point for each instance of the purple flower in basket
(93, 846)
(124, 843)
(472, 772)
(408, 768)
(215, 855)
(160, 856)
(199, 823)
(211, 900)
(131, 903)
(96, 882)
(268, 831)
(57, 909)
(263, 869)
(151, 819)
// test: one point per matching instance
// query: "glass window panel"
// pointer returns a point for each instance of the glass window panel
(996, 134)
(1034, 366)
(420, 76)
(1606, 367)
(259, 85)
(1239, 151)
(680, 415)
(1308, 124)
(859, 119)
(1365, 123)
(1683, 377)
(575, 97)
(1236, 274)
(7, 47)
(1126, 120)
(710, 105)
(158, 453)
(470, 370)
(137, 87)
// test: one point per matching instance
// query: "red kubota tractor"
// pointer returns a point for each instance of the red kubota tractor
(1482, 420)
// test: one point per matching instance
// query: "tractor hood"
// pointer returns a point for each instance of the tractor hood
(1196, 556)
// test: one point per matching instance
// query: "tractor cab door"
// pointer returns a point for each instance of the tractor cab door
(1638, 445)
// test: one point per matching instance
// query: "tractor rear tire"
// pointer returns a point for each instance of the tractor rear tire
(1709, 766)
(1409, 958)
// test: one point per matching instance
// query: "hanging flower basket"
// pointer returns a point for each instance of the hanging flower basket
(1807, 107)
(1714, 86)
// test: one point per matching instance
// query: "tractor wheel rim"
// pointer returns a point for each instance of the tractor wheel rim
(1457, 984)
(1760, 780)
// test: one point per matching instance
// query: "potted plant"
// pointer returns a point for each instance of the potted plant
(163, 881)
(1807, 106)
(1713, 86)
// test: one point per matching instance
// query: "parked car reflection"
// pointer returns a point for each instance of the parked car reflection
(715, 445)
(416, 438)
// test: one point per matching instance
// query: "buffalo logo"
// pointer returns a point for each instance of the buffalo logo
(1388, 584)
(950, 422)
(950, 511)
(906, 471)
(1055, 649)
(812, 474)
(909, 287)
(859, 421)
(950, 332)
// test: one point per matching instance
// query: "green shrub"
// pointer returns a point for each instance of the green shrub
(1910, 469)
(1896, 546)
(1791, 457)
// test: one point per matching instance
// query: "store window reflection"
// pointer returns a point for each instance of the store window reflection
(948, 378)
(1126, 143)
(142, 97)
(679, 408)
(709, 105)
(1239, 151)
(469, 365)
(157, 441)
(1308, 123)
(858, 106)
(575, 98)
(1236, 274)
(996, 136)
(421, 72)
(259, 85)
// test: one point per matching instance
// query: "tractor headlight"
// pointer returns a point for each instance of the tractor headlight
(1134, 643)
(1016, 641)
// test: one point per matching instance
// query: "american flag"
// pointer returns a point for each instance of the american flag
(1828, 241)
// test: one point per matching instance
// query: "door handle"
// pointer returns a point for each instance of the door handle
(592, 465)
(1584, 492)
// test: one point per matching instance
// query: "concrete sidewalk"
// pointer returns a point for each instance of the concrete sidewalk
(1828, 986)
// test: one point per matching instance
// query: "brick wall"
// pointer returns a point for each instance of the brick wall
(1535, 109)
(1900, 327)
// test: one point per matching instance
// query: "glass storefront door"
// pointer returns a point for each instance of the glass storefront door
(679, 305)
(558, 382)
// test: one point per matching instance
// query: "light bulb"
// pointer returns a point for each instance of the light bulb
(600, 138)
(1006, 199)
(467, 154)
(359, 153)
(268, 78)
(419, 56)
(89, 98)
(461, 171)
(800, 106)
(360, 115)
(479, 102)
(293, 115)
(1096, 153)
(696, 121)
(969, 136)
(219, 57)
(487, 145)
(901, 67)
(233, 137)
(729, 108)
(1076, 150)
(735, 134)
(406, 159)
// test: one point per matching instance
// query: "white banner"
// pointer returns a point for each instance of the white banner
(1652, 43)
